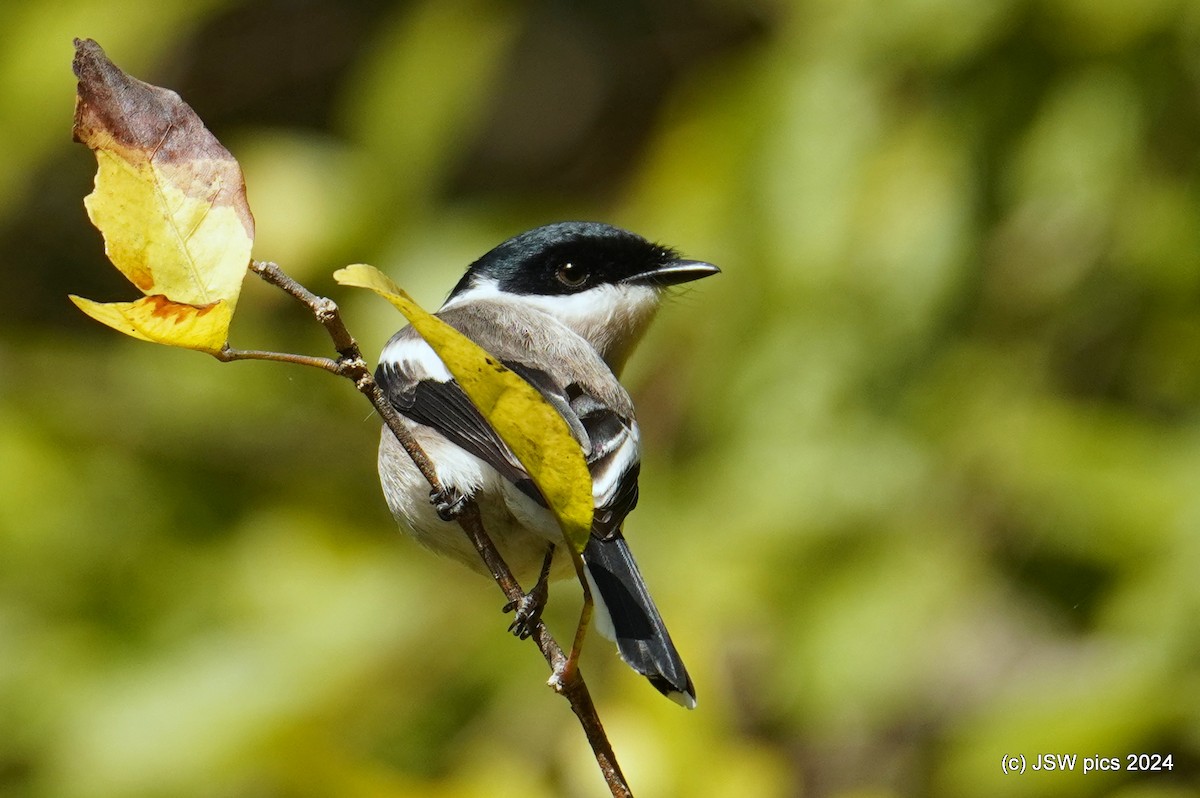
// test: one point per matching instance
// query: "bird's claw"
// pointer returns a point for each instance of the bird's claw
(448, 502)
(528, 610)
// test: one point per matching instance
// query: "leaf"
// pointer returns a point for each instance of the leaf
(531, 427)
(170, 202)
(159, 320)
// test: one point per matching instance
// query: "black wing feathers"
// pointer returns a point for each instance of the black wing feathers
(607, 438)
(613, 461)
(445, 407)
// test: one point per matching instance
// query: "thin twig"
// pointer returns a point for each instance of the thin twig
(228, 354)
(322, 308)
(350, 364)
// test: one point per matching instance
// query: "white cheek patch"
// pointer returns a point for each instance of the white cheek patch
(604, 312)
(623, 306)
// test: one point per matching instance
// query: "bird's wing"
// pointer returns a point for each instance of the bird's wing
(418, 387)
(610, 443)
(423, 391)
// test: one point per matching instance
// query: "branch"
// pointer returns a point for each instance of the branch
(229, 354)
(351, 365)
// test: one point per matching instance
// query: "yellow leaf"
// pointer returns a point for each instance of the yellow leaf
(170, 202)
(157, 319)
(531, 427)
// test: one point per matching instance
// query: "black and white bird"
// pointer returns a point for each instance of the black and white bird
(563, 306)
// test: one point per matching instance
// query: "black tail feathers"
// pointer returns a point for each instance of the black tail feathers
(626, 613)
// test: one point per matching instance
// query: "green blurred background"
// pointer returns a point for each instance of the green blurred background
(921, 466)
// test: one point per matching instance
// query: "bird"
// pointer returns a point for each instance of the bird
(563, 306)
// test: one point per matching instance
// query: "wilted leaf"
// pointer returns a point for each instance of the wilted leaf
(170, 202)
(531, 427)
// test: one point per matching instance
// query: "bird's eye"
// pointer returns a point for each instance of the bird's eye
(571, 276)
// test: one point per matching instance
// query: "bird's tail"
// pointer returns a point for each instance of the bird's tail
(626, 614)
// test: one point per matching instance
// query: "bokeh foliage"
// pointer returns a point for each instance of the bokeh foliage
(921, 465)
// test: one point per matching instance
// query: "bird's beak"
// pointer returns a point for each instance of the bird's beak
(673, 272)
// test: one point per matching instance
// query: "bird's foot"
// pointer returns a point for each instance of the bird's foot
(529, 607)
(448, 502)
(528, 610)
